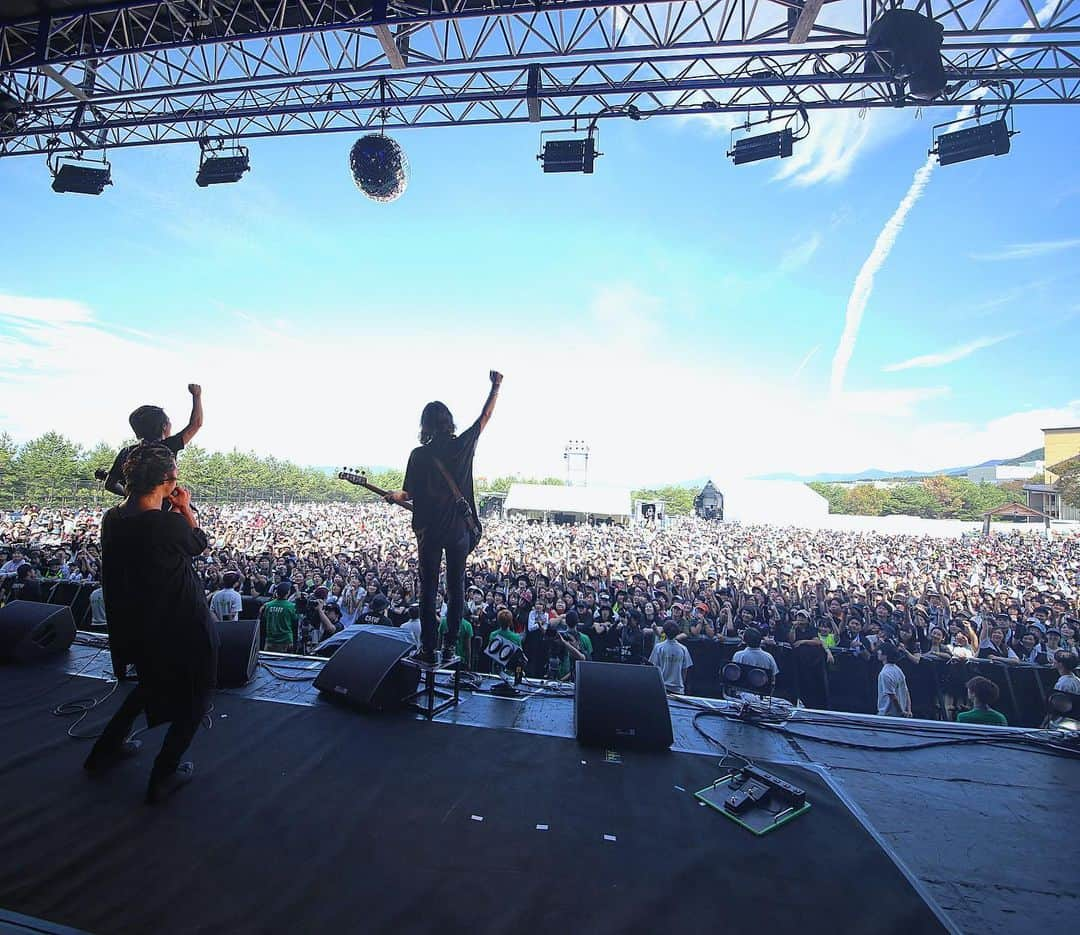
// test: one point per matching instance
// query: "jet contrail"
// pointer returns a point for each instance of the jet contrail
(864, 282)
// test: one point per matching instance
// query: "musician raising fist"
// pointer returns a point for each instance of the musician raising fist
(439, 484)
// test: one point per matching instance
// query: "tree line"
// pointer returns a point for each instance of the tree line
(940, 497)
(52, 468)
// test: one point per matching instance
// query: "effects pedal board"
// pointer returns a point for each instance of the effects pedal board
(779, 790)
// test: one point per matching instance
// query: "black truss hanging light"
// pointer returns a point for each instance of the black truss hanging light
(77, 175)
(983, 138)
(221, 162)
(778, 144)
(905, 46)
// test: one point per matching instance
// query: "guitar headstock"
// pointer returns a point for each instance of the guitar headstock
(353, 476)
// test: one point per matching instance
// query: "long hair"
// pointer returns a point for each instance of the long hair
(435, 422)
(146, 467)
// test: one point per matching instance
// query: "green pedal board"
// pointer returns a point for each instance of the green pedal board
(756, 817)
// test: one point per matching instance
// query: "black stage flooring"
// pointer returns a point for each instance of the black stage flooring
(306, 815)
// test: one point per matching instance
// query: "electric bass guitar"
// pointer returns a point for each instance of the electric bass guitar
(359, 478)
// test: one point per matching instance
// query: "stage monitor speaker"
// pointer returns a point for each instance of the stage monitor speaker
(368, 672)
(30, 631)
(623, 706)
(238, 654)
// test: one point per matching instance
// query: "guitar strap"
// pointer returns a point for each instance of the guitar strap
(454, 489)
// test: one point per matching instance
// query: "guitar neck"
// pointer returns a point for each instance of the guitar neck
(361, 481)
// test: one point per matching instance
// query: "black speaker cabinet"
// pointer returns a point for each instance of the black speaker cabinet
(238, 654)
(621, 706)
(368, 672)
(30, 631)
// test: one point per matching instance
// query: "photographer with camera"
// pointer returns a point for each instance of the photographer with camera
(565, 644)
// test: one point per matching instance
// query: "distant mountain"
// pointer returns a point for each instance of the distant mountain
(872, 474)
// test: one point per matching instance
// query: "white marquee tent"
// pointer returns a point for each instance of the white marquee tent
(771, 501)
(539, 500)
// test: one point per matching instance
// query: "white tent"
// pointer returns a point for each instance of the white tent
(548, 500)
(771, 501)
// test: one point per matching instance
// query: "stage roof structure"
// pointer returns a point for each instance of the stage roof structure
(79, 75)
(549, 498)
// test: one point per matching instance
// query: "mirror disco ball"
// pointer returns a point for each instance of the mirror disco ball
(380, 167)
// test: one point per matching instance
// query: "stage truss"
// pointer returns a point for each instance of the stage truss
(136, 73)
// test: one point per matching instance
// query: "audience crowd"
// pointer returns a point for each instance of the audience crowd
(623, 593)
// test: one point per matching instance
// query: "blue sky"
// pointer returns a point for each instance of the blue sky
(679, 313)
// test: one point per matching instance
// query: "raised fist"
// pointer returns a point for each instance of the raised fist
(495, 377)
(194, 389)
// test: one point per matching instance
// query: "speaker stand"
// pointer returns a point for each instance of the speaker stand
(424, 699)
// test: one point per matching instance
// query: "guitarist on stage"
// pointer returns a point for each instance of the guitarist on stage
(439, 485)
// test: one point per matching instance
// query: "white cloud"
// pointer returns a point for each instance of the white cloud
(838, 139)
(801, 253)
(1027, 251)
(950, 356)
(343, 396)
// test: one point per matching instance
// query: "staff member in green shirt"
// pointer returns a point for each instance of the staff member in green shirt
(280, 618)
(982, 693)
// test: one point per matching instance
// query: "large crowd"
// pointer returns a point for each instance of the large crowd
(635, 593)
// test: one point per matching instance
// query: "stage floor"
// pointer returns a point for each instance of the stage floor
(305, 815)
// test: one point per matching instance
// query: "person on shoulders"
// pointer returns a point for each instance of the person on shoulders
(152, 426)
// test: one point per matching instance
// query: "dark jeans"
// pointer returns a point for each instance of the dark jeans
(430, 553)
(177, 739)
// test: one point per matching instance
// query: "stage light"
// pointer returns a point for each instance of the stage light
(906, 46)
(80, 176)
(379, 167)
(747, 678)
(764, 146)
(983, 139)
(221, 163)
(569, 155)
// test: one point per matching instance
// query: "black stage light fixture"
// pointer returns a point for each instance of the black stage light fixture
(983, 139)
(906, 46)
(738, 677)
(379, 167)
(220, 163)
(80, 176)
(569, 155)
(764, 146)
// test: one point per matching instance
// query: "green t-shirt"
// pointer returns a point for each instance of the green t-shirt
(281, 618)
(989, 716)
(506, 635)
(464, 637)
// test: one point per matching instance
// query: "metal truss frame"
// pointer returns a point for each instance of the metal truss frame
(776, 82)
(174, 35)
(141, 72)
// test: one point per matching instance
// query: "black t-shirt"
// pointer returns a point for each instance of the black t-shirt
(435, 512)
(175, 444)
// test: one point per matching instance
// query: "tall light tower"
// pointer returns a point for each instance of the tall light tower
(576, 455)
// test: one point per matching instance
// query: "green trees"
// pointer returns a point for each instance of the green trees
(1068, 484)
(52, 468)
(940, 497)
(680, 500)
